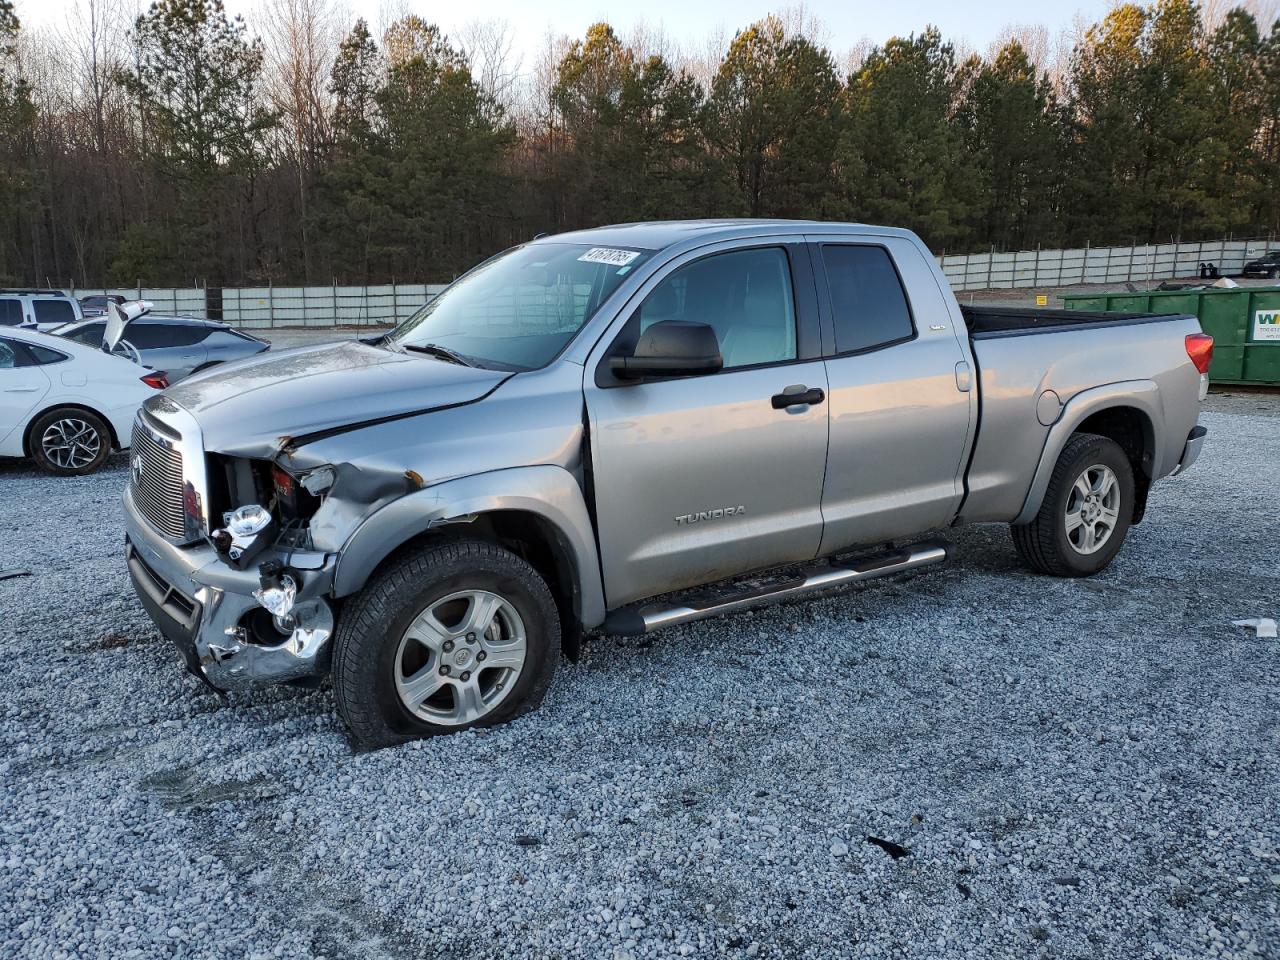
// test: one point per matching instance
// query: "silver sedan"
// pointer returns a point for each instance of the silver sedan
(177, 345)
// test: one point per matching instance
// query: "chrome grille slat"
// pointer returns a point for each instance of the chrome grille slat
(157, 486)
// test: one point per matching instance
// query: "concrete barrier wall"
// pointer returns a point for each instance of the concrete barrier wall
(388, 304)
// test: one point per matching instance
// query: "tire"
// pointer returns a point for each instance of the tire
(1046, 545)
(387, 653)
(69, 441)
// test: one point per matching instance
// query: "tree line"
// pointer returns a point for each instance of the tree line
(183, 147)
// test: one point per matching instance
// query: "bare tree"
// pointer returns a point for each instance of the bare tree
(857, 55)
(1032, 37)
(489, 46)
(301, 40)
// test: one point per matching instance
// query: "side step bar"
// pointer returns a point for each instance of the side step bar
(632, 621)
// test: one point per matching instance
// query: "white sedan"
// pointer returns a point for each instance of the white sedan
(66, 405)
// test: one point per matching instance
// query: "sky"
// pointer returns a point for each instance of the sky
(689, 23)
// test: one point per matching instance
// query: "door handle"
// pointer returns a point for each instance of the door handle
(21, 389)
(798, 395)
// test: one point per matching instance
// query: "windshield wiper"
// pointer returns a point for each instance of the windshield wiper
(444, 353)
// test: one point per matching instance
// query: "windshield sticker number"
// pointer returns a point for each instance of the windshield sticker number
(619, 258)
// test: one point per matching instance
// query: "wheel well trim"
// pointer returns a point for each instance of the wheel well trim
(1143, 396)
(549, 493)
(70, 405)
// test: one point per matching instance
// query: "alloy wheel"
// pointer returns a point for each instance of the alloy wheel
(71, 443)
(1093, 509)
(460, 657)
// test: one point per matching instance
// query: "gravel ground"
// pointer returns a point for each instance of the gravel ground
(1077, 768)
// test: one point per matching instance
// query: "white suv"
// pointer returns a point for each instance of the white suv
(42, 309)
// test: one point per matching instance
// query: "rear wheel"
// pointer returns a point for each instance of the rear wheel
(456, 635)
(69, 441)
(1086, 512)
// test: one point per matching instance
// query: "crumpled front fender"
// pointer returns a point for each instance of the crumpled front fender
(548, 492)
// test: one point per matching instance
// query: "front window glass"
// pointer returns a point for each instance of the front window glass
(520, 309)
(8, 357)
(743, 295)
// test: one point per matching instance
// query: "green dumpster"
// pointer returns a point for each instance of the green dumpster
(1243, 321)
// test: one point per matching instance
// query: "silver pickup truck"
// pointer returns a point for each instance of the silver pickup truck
(621, 429)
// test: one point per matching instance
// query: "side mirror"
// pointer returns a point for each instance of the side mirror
(670, 348)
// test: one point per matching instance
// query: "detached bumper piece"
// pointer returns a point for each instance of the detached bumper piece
(209, 611)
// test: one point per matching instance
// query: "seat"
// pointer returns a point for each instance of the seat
(764, 332)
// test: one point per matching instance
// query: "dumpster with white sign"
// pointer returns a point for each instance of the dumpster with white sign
(1243, 321)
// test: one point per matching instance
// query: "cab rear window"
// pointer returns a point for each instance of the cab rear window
(868, 303)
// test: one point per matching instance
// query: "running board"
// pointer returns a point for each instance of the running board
(632, 621)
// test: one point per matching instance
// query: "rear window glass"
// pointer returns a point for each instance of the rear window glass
(867, 300)
(90, 333)
(53, 311)
(44, 355)
(10, 312)
(152, 335)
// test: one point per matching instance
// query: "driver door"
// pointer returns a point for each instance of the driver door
(704, 477)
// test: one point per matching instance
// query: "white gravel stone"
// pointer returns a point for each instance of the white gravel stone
(690, 789)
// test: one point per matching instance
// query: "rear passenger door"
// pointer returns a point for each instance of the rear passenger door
(900, 405)
(176, 348)
(22, 385)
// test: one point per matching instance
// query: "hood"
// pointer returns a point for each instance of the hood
(257, 406)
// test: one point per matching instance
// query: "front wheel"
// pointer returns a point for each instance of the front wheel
(1086, 510)
(456, 635)
(69, 442)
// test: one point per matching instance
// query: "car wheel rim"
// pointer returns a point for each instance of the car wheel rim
(71, 443)
(1093, 509)
(460, 658)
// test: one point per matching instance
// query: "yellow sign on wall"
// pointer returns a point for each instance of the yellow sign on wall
(1041, 300)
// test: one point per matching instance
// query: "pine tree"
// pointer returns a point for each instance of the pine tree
(1012, 132)
(902, 158)
(195, 78)
(773, 116)
(17, 118)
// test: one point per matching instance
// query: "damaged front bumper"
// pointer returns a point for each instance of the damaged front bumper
(208, 611)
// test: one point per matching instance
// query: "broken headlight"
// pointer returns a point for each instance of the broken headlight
(249, 530)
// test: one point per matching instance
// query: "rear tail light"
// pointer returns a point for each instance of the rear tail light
(159, 379)
(1200, 350)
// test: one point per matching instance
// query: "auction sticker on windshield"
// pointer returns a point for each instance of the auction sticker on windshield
(1266, 325)
(619, 258)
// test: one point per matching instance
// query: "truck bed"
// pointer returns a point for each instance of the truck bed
(1031, 362)
(984, 321)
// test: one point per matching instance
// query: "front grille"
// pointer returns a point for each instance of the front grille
(156, 483)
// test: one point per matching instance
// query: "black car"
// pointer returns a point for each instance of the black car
(1267, 265)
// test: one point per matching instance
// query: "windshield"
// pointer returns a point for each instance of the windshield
(520, 309)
